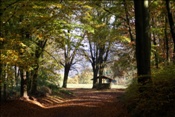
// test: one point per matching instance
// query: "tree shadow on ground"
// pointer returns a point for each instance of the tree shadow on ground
(86, 103)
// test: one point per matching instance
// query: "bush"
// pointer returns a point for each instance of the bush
(158, 100)
(44, 91)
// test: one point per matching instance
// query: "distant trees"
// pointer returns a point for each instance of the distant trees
(86, 76)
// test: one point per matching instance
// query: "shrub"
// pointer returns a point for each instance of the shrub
(158, 100)
(44, 91)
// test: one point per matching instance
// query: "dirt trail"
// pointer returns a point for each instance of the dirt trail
(85, 103)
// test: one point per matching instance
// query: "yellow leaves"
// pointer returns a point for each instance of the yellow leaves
(87, 7)
(55, 6)
(87, 17)
(2, 39)
(59, 6)
(100, 25)
(126, 39)
(14, 52)
(14, 57)
(10, 57)
(38, 7)
(23, 45)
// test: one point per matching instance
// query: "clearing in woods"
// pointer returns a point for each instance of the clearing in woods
(83, 103)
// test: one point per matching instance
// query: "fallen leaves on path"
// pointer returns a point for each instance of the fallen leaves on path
(84, 103)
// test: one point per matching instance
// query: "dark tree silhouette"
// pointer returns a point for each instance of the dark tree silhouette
(143, 41)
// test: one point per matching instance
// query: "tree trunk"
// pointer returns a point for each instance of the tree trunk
(156, 59)
(34, 81)
(100, 68)
(1, 47)
(172, 26)
(23, 91)
(16, 76)
(95, 72)
(66, 74)
(101, 63)
(38, 52)
(0, 92)
(100, 76)
(0, 80)
(28, 81)
(155, 54)
(5, 91)
(166, 43)
(143, 41)
(5, 76)
(35, 70)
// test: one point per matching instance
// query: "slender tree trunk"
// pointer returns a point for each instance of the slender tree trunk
(155, 54)
(156, 59)
(5, 76)
(1, 47)
(100, 76)
(95, 72)
(172, 26)
(66, 74)
(28, 81)
(4, 92)
(100, 67)
(22, 83)
(166, 43)
(0, 90)
(0, 74)
(16, 77)
(34, 80)
(23, 91)
(23, 88)
(143, 41)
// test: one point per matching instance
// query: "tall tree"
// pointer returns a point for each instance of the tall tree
(70, 48)
(1, 47)
(143, 41)
(38, 52)
(100, 42)
(166, 42)
(172, 26)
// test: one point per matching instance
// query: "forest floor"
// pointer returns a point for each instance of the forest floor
(82, 103)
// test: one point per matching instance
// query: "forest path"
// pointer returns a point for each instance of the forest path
(84, 103)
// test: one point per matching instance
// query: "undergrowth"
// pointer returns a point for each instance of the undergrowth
(158, 100)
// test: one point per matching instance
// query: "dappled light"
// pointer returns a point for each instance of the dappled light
(87, 58)
(84, 103)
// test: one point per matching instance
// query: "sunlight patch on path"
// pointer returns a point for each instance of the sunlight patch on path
(89, 86)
